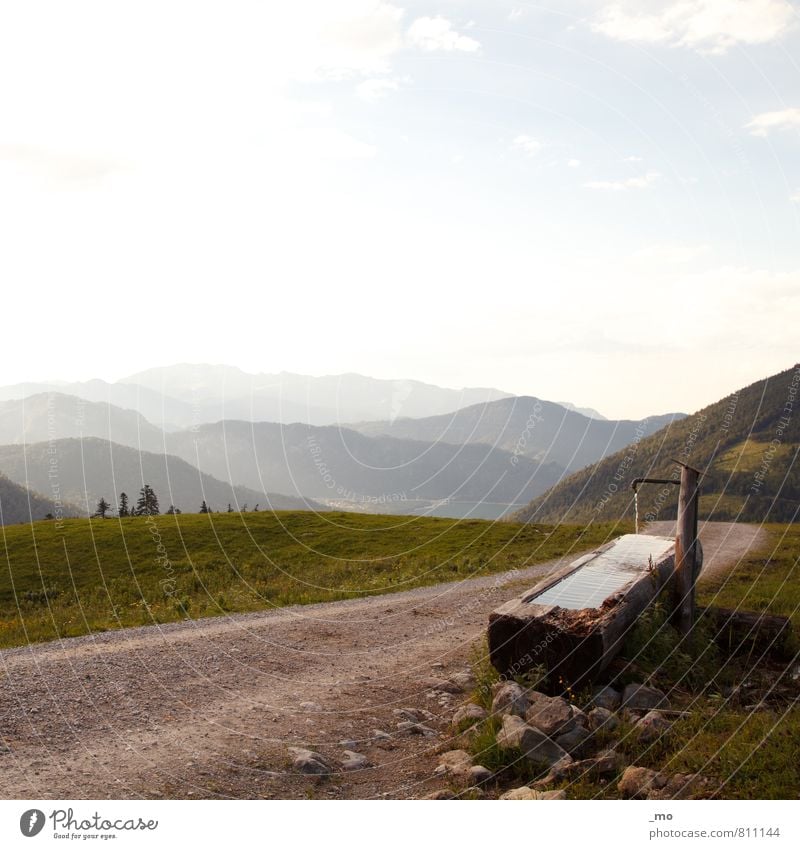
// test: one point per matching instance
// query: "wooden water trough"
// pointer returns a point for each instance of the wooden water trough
(574, 622)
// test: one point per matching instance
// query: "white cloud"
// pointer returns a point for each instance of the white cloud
(621, 185)
(529, 145)
(708, 26)
(795, 198)
(633, 159)
(781, 119)
(438, 34)
(346, 38)
(376, 89)
(618, 23)
(515, 13)
(574, 163)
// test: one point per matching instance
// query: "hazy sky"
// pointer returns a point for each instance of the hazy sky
(583, 201)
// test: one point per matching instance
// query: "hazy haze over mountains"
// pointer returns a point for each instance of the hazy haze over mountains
(54, 415)
(380, 473)
(394, 445)
(184, 395)
(525, 426)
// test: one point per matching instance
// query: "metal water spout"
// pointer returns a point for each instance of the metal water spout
(686, 543)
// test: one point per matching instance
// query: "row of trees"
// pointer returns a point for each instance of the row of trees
(147, 505)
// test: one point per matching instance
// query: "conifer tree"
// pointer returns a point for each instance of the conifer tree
(147, 503)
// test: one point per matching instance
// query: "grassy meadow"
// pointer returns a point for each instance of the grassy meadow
(88, 575)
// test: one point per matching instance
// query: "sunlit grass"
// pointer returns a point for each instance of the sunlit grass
(92, 575)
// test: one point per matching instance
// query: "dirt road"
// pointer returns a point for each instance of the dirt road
(210, 708)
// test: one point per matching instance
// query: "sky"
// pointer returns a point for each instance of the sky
(584, 201)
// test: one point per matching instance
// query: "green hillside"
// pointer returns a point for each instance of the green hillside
(90, 468)
(747, 444)
(19, 504)
(83, 576)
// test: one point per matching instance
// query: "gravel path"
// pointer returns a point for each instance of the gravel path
(209, 708)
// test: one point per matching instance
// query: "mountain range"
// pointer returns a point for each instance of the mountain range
(185, 395)
(348, 469)
(471, 458)
(524, 426)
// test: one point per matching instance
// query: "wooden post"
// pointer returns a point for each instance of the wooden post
(686, 549)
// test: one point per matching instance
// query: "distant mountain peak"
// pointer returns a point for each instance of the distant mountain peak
(589, 412)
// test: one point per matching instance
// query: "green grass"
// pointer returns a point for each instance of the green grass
(91, 575)
(747, 456)
(767, 580)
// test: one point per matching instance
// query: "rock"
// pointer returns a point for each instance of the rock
(414, 714)
(652, 726)
(604, 764)
(310, 763)
(580, 717)
(574, 741)
(379, 735)
(520, 793)
(535, 745)
(510, 698)
(640, 697)
(608, 761)
(480, 775)
(441, 794)
(310, 706)
(606, 697)
(441, 685)
(638, 782)
(529, 794)
(682, 786)
(456, 762)
(551, 715)
(409, 728)
(349, 744)
(469, 711)
(353, 761)
(603, 718)
(464, 680)
(512, 732)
